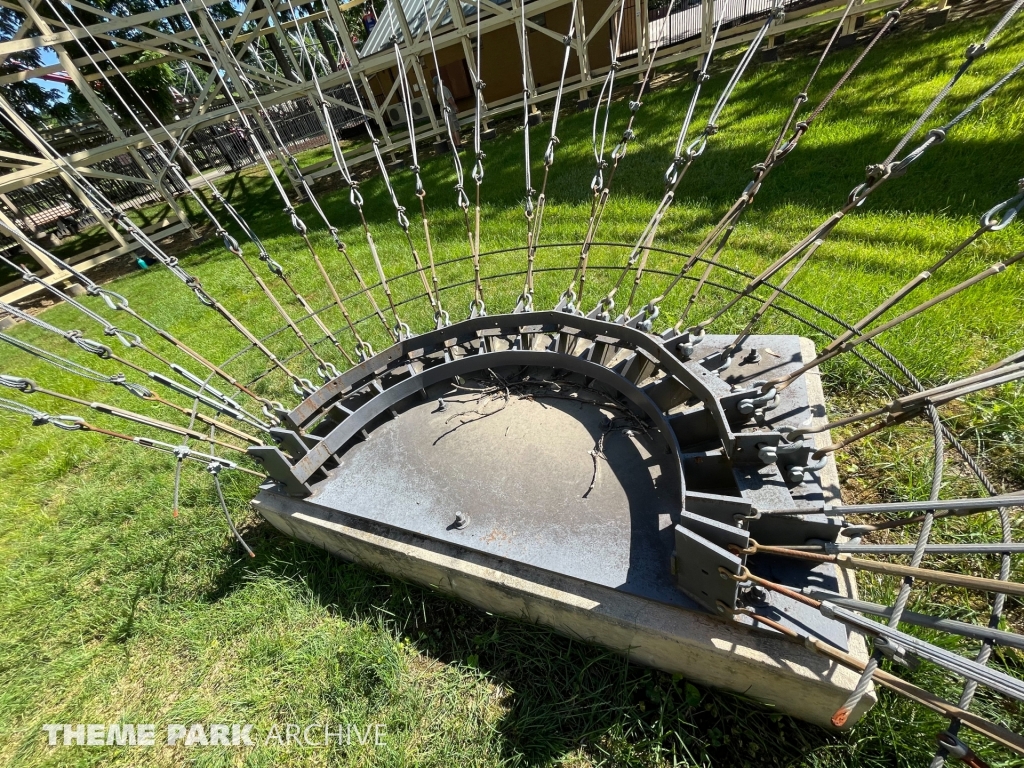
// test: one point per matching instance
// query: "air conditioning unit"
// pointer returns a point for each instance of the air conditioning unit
(396, 112)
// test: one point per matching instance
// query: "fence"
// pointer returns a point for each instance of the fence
(48, 207)
(684, 23)
(297, 121)
(216, 141)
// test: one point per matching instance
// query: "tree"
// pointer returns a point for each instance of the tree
(35, 103)
(153, 82)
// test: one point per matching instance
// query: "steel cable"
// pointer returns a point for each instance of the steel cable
(535, 217)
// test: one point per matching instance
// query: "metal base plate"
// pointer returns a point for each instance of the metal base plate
(522, 472)
(522, 475)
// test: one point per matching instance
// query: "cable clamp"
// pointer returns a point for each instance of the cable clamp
(230, 243)
(113, 300)
(67, 423)
(94, 347)
(1000, 216)
(138, 390)
(877, 172)
(896, 652)
(975, 50)
(127, 338)
(364, 351)
(327, 371)
(691, 337)
(651, 313)
(16, 382)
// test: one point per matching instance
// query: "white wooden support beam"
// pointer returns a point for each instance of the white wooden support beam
(96, 173)
(582, 52)
(227, 64)
(24, 159)
(852, 21)
(23, 29)
(403, 23)
(246, 15)
(11, 229)
(524, 46)
(339, 28)
(210, 109)
(285, 38)
(707, 26)
(611, 10)
(341, 31)
(26, 130)
(643, 32)
(421, 77)
(464, 31)
(414, 59)
(55, 39)
(100, 109)
(93, 257)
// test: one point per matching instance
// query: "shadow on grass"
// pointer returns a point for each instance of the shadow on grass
(563, 696)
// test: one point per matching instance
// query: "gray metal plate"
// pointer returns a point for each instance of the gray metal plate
(522, 476)
(522, 473)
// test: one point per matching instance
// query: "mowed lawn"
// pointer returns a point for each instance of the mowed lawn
(113, 610)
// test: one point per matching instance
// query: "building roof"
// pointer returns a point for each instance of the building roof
(387, 25)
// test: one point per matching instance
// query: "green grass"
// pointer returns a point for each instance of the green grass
(112, 609)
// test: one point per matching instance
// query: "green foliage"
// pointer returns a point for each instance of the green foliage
(154, 86)
(114, 609)
(37, 104)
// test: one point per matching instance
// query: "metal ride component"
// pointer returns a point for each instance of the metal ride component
(694, 419)
(603, 456)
